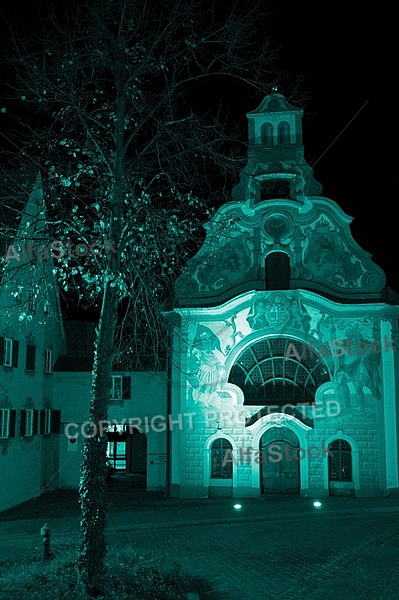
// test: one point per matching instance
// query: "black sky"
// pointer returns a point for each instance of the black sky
(345, 138)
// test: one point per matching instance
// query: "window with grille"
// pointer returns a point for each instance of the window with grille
(267, 373)
(221, 459)
(340, 464)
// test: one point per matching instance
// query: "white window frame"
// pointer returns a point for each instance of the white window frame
(7, 359)
(47, 422)
(28, 422)
(116, 378)
(4, 423)
(48, 361)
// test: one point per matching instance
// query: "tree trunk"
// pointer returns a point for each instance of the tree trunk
(93, 483)
(93, 488)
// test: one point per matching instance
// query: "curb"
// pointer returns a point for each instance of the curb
(229, 520)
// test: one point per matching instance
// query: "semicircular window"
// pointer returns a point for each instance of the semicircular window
(268, 373)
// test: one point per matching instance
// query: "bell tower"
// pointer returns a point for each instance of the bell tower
(276, 167)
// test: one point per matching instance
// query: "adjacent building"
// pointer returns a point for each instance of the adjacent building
(31, 339)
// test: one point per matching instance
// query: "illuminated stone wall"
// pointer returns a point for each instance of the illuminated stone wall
(279, 269)
(348, 405)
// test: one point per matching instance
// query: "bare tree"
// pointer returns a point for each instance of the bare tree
(123, 104)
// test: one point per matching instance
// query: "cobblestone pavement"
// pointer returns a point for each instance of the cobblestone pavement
(315, 558)
(279, 549)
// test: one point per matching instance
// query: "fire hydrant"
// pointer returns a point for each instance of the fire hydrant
(45, 533)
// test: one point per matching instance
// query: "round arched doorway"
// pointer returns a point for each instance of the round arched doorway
(279, 464)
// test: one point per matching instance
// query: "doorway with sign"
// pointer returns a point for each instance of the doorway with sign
(127, 453)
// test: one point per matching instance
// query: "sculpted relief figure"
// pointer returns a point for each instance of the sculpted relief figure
(362, 369)
(206, 370)
(230, 260)
(327, 257)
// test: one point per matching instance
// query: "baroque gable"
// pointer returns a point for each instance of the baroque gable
(316, 237)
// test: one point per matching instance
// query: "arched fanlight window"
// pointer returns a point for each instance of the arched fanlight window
(269, 372)
(283, 133)
(221, 459)
(277, 271)
(266, 133)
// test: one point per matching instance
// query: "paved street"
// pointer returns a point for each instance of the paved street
(273, 549)
(295, 559)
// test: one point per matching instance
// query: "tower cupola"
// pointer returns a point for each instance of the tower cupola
(276, 165)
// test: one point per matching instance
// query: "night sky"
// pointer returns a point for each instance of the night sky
(343, 133)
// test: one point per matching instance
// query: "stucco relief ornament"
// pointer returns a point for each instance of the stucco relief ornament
(278, 420)
(229, 261)
(277, 312)
(278, 227)
(327, 256)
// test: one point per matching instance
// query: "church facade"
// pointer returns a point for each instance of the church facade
(285, 339)
(283, 374)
